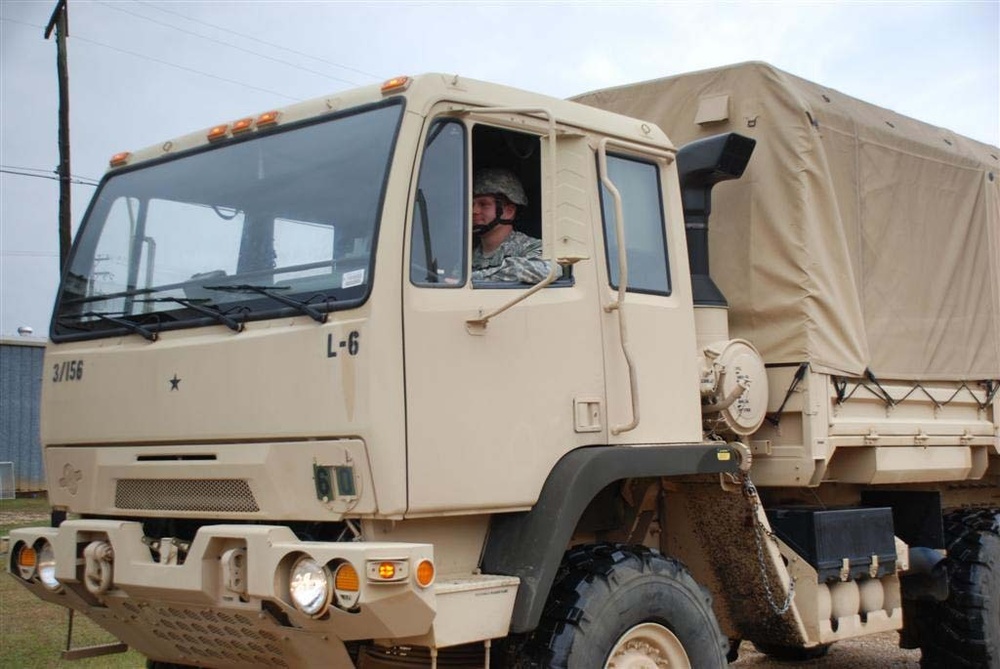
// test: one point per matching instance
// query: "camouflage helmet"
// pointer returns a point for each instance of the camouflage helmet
(499, 181)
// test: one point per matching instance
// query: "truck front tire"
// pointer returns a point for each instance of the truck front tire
(964, 630)
(619, 606)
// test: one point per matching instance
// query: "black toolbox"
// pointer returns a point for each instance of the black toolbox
(826, 537)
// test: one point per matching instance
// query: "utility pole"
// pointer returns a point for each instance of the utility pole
(60, 22)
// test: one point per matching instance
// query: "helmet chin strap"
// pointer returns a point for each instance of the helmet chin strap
(480, 230)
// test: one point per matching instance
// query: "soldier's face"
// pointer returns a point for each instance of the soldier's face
(484, 210)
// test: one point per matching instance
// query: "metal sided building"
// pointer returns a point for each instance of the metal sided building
(20, 393)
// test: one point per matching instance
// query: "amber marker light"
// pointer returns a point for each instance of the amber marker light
(26, 559)
(425, 573)
(387, 571)
(396, 85)
(267, 118)
(120, 159)
(346, 578)
(218, 132)
(346, 586)
(242, 125)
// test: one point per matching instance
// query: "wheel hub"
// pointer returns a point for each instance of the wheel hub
(648, 646)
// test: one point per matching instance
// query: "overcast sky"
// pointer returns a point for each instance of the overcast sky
(143, 72)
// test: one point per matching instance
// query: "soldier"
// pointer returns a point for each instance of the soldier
(502, 253)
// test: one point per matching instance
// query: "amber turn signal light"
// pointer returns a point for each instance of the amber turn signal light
(425, 573)
(396, 85)
(120, 159)
(218, 132)
(267, 118)
(346, 578)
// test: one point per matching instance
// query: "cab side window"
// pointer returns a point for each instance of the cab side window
(498, 222)
(507, 209)
(440, 216)
(638, 182)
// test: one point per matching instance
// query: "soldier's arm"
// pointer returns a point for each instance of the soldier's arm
(524, 263)
(527, 270)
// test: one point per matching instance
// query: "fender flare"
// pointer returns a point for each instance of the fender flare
(531, 544)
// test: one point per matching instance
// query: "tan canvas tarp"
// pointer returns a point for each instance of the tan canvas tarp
(857, 239)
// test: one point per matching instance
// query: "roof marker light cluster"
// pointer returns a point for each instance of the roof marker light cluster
(216, 133)
(242, 126)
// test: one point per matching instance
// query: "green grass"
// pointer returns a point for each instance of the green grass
(33, 632)
(23, 512)
(29, 503)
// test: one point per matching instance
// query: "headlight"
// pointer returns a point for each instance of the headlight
(47, 565)
(309, 586)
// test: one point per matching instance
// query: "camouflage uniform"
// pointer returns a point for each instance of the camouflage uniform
(518, 258)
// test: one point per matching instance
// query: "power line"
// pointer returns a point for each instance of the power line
(32, 254)
(23, 23)
(47, 176)
(260, 41)
(42, 170)
(27, 169)
(184, 68)
(226, 44)
(190, 70)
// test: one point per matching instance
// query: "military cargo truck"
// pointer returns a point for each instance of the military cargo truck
(754, 399)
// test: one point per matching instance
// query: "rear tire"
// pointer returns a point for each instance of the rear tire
(964, 630)
(626, 606)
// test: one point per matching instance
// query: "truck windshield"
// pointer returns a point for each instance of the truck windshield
(285, 222)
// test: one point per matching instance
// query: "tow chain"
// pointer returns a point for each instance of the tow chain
(750, 492)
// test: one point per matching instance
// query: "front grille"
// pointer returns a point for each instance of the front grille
(223, 495)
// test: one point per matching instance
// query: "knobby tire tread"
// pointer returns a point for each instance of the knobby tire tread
(584, 575)
(963, 632)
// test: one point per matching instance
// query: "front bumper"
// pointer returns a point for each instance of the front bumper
(202, 612)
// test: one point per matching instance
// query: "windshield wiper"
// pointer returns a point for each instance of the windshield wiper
(268, 291)
(146, 333)
(228, 321)
(67, 322)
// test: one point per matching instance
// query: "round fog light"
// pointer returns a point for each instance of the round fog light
(47, 565)
(309, 586)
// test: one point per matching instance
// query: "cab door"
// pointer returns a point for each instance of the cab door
(489, 410)
(647, 316)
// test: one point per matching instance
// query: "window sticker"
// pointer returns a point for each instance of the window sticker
(354, 278)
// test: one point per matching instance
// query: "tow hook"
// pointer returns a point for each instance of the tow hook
(98, 557)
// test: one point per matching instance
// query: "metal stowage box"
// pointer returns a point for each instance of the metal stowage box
(827, 537)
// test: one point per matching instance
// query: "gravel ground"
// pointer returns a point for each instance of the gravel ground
(878, 651)
(20, 517)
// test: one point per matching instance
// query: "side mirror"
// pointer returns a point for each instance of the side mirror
(572, 235)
